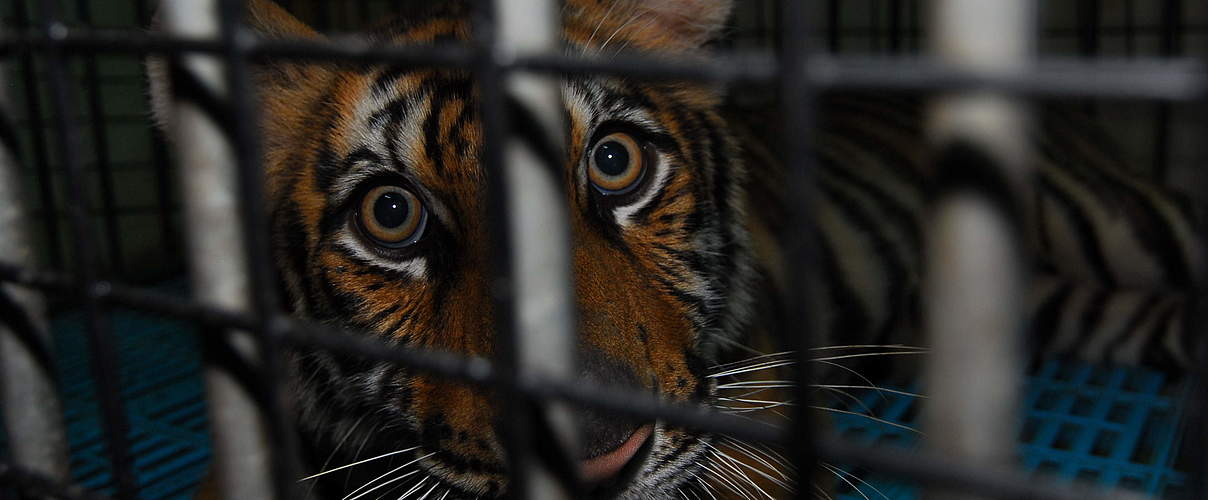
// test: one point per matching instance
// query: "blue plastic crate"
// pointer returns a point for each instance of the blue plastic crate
(1110, 426)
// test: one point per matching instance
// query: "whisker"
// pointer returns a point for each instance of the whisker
(856, 373)
(765, 475)
(399, 468)
(601, 23)
(869, 346)
(354, 464)
(731, 463)
(413, 489)
(870, 417)
(750, 360)
(842, 392)
(430, 490)
(844, 479)
(730, 485)
(869, 355)
(857, 478)
(879, 389)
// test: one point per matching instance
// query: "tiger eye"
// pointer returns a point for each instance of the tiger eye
(616, 164)
(391, 216)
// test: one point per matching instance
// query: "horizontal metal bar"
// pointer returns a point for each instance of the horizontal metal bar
(32, 484)
(932, 469)
(1176, 79)
(926, 468)
(473, 370)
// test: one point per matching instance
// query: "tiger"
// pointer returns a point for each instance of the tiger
(379, 222)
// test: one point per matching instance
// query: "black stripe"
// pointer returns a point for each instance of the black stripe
(1087, 236)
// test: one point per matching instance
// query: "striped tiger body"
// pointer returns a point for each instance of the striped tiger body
(1116, 256)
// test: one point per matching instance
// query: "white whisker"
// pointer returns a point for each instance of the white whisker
(844, 479)
(869, 355)
(354, 464)
(870, 417)
(399, 468)
(857, 478)
(731, 464)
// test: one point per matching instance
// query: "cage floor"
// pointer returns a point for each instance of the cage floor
(1114, 427)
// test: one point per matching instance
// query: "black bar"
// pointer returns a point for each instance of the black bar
(1130, 27)
(1175, 80)
(795, 332)
(895, 26)
(169, 238)
(100, 144)
(37, 129)
(834, 25)
(1088, 15)
(1195, 430)
(255, 225)
(105, 363)
(513, 406)
(1172, 45)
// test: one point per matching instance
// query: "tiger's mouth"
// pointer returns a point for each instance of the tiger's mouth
(610, 472)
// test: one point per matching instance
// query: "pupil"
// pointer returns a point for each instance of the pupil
(391, 210)
(612, 158)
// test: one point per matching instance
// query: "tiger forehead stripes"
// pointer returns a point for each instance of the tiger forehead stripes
(379, 217)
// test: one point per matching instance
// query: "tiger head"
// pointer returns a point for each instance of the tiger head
(377, 200)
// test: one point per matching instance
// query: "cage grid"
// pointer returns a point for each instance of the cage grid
(798, 73)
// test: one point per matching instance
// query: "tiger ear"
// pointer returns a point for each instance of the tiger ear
(658, 25)
(268, 21)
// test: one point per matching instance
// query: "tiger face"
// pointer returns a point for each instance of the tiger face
(379, 218)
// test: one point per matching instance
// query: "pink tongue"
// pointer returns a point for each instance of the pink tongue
(609, 464)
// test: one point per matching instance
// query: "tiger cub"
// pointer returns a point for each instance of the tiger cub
(379, 225)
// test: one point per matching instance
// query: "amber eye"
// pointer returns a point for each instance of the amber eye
(392, 216)
(617, 164)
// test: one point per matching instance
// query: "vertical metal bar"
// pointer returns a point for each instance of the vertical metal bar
(219, 264)
(797, 329)
(1088, 14)
(1195, 431)
(545, 337)
(245, 130)
(100, 145)
(1172, 27)
(834, 28)
(33, 415)
(974, 260)
(105, 363)
(37, 129)
(487, 75)
(1130, 28)
(895, 26)
(169, 241)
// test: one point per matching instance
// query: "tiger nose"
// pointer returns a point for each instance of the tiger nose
(608, 442)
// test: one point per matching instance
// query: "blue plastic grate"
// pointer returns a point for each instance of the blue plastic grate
(163, 391)
(1111, 426)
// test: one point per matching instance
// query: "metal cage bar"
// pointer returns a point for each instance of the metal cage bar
(28, 388)
(973, 283)
(219, 266)
(105, 362)
(797, 77)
